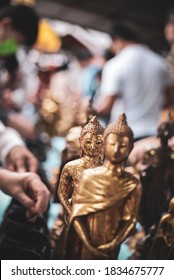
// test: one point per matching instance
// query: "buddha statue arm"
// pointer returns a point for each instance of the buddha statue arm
(127, 221)
(82, 233)
(162, 225)
(65, 189)
(120, 236)
(164, 229)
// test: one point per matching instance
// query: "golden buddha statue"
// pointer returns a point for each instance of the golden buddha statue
(158, 177)
(166, 225)
(71, 152)
(106, 206)
(163, 246)
(91, 143)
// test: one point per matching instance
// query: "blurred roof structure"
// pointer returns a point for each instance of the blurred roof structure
(147, 16)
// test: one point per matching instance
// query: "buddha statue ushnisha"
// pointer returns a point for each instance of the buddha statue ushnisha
(106, 206)
(91, 143)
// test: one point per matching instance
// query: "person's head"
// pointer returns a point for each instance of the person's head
(118, 141)
(122, 34)
(169, 27)
(6, 97)
(11, 64)
(91, 138)
(84, 57)
(108, 54)
(18, 25)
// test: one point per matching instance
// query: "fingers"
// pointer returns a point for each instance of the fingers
(32, 164)
(21, 159)
(28, 163)
(42, 201)
(20, 165)
(40, 205)
(10, 167)
(39, 192)
(25, 200)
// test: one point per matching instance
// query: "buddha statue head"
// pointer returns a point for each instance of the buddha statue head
(166, 130)
(118, 140)
(91, 138)
(72, 142)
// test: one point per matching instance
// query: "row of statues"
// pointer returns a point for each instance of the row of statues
(103, 199)
(163, 245)
(100, 199)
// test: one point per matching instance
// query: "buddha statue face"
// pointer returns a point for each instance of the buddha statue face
(117, 148)
(91, 144)
(165, 132)
(91, 139)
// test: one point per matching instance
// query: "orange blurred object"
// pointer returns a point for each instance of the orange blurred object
(47, 40)
(23, 2)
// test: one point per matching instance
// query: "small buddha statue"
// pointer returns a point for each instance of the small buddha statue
(72, 148)
(166, 225)
(106, 205)
(91, 143)
(158, 177)
(163, 246)
(71, 152)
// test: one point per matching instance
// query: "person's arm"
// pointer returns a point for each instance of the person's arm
(21, 159)
(110, 88)
(13, 153)
(65, 189)
(22, 125)
(140, 147)
(104, 109)
(27, 188)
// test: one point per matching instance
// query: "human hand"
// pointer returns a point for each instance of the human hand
(21, 159)
(28, 189)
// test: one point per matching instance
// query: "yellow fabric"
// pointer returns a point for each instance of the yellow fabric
(47, 40)
(98, 192)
